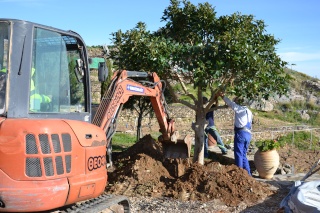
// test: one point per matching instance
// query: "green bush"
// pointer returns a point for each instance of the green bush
(267, 145)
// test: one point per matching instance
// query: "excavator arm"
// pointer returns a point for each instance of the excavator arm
(123, 86)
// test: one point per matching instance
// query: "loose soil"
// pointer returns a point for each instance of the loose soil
(141, 171)
(301, 161)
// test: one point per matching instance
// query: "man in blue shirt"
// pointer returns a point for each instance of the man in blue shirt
(211, 133)
(242, 131)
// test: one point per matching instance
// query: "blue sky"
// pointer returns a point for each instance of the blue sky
(295, 22)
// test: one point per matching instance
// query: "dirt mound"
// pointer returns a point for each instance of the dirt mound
(141, 171)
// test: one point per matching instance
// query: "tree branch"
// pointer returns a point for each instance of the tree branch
(185, 88)
(176, 98)
(191, 106)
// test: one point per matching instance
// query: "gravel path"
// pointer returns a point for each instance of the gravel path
(164, 205)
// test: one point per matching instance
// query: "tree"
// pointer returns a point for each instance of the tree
(105, 84)
(231, 53)
(143, 108)
(130, 52)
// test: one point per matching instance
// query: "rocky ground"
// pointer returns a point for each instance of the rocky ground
(152, 185)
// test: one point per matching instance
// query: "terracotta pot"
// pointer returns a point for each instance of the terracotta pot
(266, 163)
(211, 143)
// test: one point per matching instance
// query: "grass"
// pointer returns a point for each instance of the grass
(121, 141)
(303, 140)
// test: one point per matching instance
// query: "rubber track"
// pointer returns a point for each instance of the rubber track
(98, 204)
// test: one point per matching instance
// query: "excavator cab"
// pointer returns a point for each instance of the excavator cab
(51, 155)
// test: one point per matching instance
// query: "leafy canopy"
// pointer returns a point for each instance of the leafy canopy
(231, 53)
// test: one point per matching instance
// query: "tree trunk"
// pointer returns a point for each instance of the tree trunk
(139, 126)
(199, 139)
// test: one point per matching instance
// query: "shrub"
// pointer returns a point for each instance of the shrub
(267, 145)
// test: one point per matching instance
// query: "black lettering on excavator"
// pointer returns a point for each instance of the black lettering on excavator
(96, 162)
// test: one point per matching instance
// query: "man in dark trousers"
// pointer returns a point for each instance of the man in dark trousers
(242, 131)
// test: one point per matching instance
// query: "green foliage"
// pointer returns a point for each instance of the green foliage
(106, 83)
(95, 46)
(75, 87)
(302, 140)
(230, 52)
(235, 55)
(314, 118)
(267, 145)
(138, 49)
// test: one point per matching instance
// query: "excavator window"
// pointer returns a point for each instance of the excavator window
(54, 84)
(4, 44)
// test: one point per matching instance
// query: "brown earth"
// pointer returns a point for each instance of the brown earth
(140, 171)
(301, 161)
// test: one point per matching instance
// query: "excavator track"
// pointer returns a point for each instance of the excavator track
(105, 203)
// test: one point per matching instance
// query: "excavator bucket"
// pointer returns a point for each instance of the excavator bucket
(177, 148)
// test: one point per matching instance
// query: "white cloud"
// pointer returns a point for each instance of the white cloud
(298, 56)
(305, 62)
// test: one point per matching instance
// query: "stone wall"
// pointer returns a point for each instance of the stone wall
(184, 117)
(95, 86)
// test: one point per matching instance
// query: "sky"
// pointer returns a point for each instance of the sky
(295, 22)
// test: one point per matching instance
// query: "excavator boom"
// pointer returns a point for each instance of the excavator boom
(125, 84)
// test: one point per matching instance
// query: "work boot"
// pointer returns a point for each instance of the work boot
(212, 156)
(227, 146)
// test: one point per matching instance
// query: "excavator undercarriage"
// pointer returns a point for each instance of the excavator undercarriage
(105, 203)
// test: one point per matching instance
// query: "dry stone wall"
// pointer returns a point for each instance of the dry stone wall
(95, 86)
(184, 117)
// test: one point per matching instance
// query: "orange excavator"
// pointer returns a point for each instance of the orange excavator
(53, 152)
